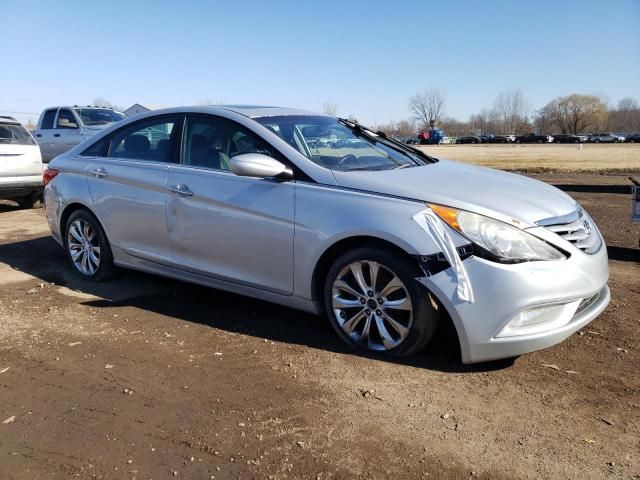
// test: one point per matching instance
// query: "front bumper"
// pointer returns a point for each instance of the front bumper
(502, 292)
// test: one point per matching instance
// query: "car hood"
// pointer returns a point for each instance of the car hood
(501, 195)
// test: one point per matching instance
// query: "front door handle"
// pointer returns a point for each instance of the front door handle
(56, 134)
(181, 189)
(38, 134)
(99, 172)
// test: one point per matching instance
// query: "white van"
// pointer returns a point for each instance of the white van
(20, 165)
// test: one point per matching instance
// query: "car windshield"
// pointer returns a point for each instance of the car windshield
(99, 116)
(339, 145)
(15, 134)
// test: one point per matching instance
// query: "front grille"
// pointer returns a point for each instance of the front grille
(576, 228)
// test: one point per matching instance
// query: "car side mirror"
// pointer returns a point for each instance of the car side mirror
(259, 166)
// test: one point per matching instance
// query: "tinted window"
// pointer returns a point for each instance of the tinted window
(47, 119)
(66, 119)
(148, 140)
(15, 134)
(211, 141)
(99, 116)
(98, 149)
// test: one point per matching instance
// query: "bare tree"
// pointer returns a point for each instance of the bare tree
(543, 121)
(578, 113)
(330, 108)
(405, 128)
(512, 109)
(103, 102)
(427, 107)
(626, 117)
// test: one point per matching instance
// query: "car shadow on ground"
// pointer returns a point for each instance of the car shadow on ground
(43, 258)
(623, 254)
(622, 189)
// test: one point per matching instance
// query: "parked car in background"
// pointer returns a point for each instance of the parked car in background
(633, 138)
(566, 138)
(605, 138)
(61, 128)
(496, 139)
(510, 138)
(385, 240)
(468, 139)
(20, 165)
(533, 138)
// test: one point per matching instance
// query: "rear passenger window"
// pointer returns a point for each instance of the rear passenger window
(148, 140)
(47, 119)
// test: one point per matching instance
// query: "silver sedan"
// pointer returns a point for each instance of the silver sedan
(324, 215)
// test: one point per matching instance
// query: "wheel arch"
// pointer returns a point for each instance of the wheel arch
(70, 210)
(331, 254)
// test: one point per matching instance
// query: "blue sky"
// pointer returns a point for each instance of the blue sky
(367, 57)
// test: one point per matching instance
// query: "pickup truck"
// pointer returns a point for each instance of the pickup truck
(61, 128)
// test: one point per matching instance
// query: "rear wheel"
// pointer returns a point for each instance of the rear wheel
(87, 247)
(374, 303)
(33, 200)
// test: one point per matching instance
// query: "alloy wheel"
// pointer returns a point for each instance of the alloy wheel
(84, 247)
(372, 305)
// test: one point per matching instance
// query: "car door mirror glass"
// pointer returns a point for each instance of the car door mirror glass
(256, 165)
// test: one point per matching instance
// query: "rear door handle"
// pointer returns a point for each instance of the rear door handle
(38, 134)
(99, 172)
(181, 189)
(56, 134)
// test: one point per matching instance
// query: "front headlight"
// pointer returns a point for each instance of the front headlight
(497, 240)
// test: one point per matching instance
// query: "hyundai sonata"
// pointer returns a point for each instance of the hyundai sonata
(324, 215)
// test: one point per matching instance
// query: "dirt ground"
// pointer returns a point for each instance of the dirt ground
(555, 157)
(149, 378)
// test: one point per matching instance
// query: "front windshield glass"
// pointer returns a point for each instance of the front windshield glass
(334, 145)
(99, 116)
(15, 134)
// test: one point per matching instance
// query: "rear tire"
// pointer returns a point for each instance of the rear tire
(33, 200)
(385, 310)
(87, 247)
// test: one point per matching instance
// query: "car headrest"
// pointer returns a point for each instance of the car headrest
(137, 143)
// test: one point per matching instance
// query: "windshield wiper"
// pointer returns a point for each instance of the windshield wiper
(383, 138)
(414, 151)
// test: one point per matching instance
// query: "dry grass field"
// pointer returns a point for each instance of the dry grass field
(569, 158)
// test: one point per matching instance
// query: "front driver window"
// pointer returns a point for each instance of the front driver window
(210, 142)
(66, 119)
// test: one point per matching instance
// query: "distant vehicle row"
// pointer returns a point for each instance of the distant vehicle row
(535, 138)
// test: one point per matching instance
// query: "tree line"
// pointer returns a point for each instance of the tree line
(512, 113)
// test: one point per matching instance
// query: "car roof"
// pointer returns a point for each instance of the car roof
(7, 119)
(84, 107)
(255, 111)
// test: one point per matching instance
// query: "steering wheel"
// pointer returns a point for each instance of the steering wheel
(346, 158)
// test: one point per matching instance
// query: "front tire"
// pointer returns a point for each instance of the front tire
(374, 302)
(87, 247)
